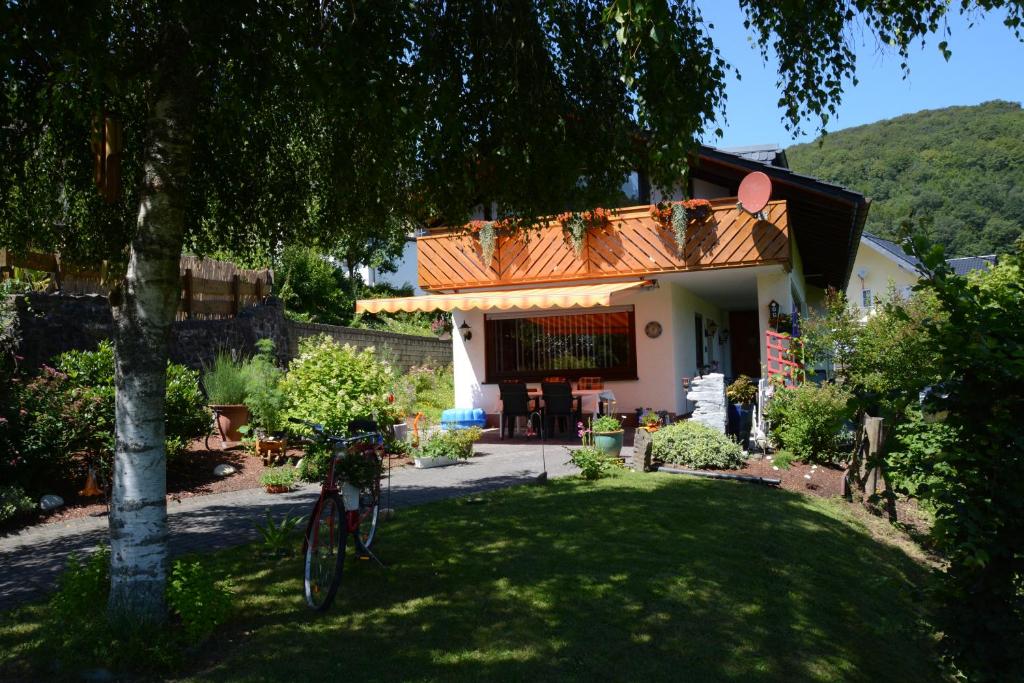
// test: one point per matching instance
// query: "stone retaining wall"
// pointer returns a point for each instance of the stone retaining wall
(49, 324)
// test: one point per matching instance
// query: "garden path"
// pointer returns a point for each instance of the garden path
(31, 559)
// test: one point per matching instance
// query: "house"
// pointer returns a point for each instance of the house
(882, 265)
(631, 307)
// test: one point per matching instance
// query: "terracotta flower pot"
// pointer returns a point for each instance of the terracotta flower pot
(277, 488)
(229, 419)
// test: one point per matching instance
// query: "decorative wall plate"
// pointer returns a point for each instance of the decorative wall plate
(653, 329)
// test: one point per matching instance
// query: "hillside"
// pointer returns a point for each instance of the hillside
(962, 166)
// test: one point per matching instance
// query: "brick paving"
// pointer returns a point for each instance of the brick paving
(31, 559)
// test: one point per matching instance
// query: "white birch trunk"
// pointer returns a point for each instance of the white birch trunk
(144, 310)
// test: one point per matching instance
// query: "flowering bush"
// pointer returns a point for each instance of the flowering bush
(333, 385)
(593, 462)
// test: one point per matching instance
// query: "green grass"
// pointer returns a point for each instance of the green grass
(637, 577)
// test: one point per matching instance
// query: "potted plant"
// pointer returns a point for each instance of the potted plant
(446, 447)
(266, 402)
(279, 479)
(650, 421)
(226, 390)
(607, 433)
(741, 393)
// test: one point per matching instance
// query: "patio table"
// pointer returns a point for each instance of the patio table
(591, 398)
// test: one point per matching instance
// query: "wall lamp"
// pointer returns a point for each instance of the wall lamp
(466, 332)
(711, 330)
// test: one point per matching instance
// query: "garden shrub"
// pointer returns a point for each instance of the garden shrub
(14, 502)
(450, 443)
(808, 420)
(195, 596)
(425, 389)
(593, 462)
(696, 445)
(332, 385)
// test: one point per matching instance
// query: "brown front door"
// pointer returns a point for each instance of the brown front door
(744, 343)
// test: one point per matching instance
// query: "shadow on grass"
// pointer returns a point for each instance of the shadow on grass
(637, 577)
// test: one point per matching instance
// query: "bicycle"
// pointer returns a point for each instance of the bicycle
(342, 510)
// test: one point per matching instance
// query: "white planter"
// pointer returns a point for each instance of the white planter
(426, 463)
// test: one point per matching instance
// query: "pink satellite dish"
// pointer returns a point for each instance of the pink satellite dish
(755, 191)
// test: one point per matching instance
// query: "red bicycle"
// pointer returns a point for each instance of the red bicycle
(349, 505)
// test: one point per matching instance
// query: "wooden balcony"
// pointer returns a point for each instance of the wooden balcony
(633, 244)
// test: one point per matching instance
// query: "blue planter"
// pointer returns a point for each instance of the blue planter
(741, 418)
(609, 443)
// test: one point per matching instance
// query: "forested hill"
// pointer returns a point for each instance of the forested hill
(962, 166)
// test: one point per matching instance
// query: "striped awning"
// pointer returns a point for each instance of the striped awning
(542, 297)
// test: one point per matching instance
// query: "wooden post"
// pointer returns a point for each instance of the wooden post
(235, 282)
(875, 436)
(5, 266)
(57, 272)
(186, 284)
(259, 289)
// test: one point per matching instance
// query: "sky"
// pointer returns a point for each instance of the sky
(987, 64)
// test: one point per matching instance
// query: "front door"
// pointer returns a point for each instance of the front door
(744, 343)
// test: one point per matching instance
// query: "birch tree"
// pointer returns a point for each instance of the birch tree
(248, 125)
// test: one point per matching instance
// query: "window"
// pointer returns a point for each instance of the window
(865, 299)
(534, 346)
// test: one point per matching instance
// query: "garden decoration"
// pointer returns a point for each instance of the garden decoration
(575, 224)
(607, 433)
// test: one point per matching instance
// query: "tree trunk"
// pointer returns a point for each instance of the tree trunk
(144, 310)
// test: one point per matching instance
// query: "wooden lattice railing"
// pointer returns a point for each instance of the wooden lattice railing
(633, 244)
(209, 289)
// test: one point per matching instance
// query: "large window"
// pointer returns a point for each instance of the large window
(533, 346)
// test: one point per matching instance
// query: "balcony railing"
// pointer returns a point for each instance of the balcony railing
(632, 244)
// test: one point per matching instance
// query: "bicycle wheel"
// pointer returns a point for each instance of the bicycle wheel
(369, 510)
(325, 553)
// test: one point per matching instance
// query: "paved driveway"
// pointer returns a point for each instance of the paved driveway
(31, 559)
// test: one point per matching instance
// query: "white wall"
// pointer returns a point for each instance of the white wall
(405, 274)
(702, 189)
(881, 273)
(662, 362)
(771, 286)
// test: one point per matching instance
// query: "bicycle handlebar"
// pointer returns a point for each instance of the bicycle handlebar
(318, 429)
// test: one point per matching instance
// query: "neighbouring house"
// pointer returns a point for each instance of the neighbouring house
(882, 266)
(633, 308)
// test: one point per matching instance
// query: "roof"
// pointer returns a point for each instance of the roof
(826, 219)
(766, 154)
(893, 249)
(966, 264)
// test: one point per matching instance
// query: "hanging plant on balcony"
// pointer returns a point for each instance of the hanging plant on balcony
(676, 216)
(680, 219)
(576, 223)
(575, 229)
(488, 237)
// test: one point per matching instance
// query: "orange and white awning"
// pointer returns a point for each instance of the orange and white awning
(542, 297)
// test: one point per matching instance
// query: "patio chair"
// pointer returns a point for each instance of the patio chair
(560, 403)
(555, 379)
(515, 402)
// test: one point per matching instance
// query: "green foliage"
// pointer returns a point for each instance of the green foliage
(743, 390)
(696, 445)
(314, 463)
(197, 598)
(225, 381)
(450, 443)
(279, 538)
(332, 385)
(650, 419)
(14, 502)
(783, 459)
(593, 462)
(285, 475)
(605, 423)
(958, 165)
(970, 471)
(264, 397)
(185, 409)
(425, 389)
(808, 420)
(312, 289)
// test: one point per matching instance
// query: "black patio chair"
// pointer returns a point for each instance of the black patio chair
(560, 403)
(515, 402)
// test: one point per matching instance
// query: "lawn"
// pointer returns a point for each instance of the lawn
(635, 577)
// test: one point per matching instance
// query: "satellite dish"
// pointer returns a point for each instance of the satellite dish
(755, 191)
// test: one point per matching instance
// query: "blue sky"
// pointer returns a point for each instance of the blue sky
(987, 64)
